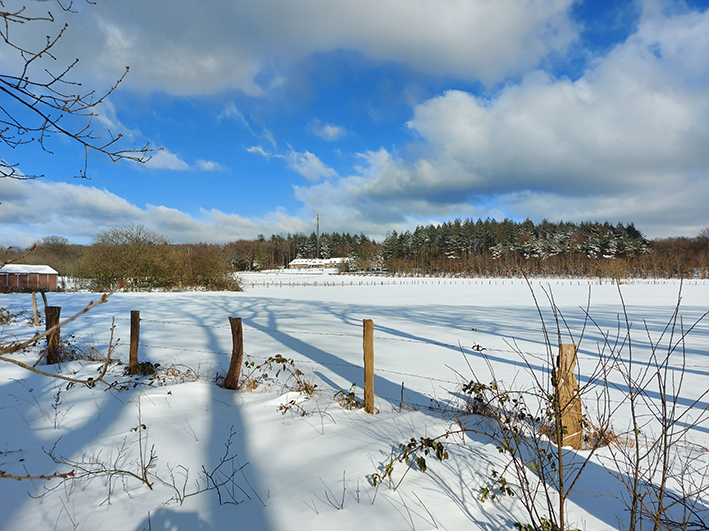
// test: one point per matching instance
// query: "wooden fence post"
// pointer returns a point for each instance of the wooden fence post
(368, 344)
(51, 318)
(134, 339)
(567, 389)
(231, 380)
(34, 308)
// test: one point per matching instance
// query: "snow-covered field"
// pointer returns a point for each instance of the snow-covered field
(311, 472)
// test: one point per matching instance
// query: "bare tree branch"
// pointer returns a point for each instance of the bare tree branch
(34, 105)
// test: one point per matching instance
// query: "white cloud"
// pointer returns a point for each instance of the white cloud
(258, 150)
(192, 50)
(327, 132)
(106, 115)
(208, 165)
(38, 208)
(626, 142)
(31, 210)
(309, 166)
(232, 112)
(165, 160)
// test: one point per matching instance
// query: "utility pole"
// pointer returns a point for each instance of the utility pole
(317, 229)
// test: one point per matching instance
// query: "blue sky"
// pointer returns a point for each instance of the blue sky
(381, 115)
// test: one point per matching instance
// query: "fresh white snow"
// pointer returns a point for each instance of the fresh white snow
(311, 472)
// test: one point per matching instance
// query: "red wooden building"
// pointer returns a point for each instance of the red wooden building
(21, 277)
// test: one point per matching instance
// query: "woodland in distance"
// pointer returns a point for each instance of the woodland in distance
(145, 259)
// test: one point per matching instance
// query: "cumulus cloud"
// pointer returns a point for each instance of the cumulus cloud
(626, 142)
(191, 49)
(309, 166)
(33, 209)
(327, 132)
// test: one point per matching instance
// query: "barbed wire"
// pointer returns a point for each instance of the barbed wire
(351, 365)
(311, 362)
(403, 281)
(471, 350)
(475, 348)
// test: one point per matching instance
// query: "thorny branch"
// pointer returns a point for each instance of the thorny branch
(15, 347)
(28, 251)
(90, 382)
(46, 477)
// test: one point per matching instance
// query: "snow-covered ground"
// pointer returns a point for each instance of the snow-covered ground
(311, 472)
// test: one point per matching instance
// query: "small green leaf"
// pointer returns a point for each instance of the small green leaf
(421, 463)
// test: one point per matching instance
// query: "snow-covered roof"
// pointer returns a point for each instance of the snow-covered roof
(317, 262)
(23, 269)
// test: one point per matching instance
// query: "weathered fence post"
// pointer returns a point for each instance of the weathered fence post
(51, 318)
(368, 344)
(34, 308)
(567, 389)
(231, 380)
(134, 340)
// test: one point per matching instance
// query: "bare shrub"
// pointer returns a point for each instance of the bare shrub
(666, 477)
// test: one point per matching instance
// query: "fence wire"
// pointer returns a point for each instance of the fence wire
(475, 348)
(470, 350)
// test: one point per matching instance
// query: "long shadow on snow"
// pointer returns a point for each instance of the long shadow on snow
(390, 390)
(70, 444)
(594, 480)
(598, 475)
(225, 418)
(74, 442)
(385, 389)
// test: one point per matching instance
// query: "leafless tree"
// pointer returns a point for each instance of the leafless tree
(38, 102)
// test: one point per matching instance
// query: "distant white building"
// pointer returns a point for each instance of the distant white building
(315, 263)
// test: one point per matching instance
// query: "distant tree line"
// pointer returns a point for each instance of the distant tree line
(144, 259)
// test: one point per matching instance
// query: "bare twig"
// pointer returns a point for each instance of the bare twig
(33, 107)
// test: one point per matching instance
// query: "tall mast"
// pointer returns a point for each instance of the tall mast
(317, 228)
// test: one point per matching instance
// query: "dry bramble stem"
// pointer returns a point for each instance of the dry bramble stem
(28, 251)
(65, 475)
(15, 347)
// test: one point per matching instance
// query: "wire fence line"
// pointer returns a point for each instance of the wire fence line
(394, 281)
(474, 348)
(521, 357)
(309, 362)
